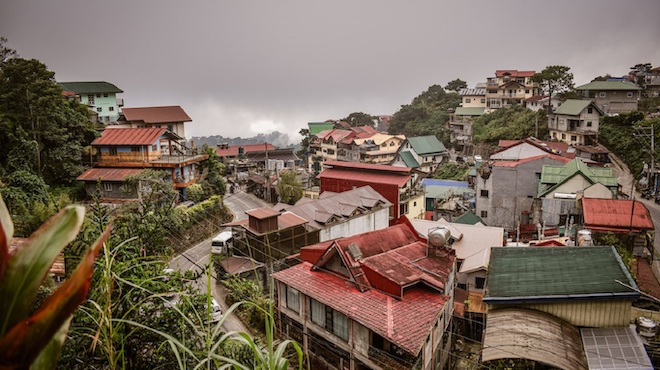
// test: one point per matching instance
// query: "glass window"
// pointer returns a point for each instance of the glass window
(483, 101)
(107, 186)
(292, 299)
(318, 313)
(484, 193)
(90, 99)
(590, 110)
(479, 282)
(113, 151)
(111, 109)
(484, 214)
(105, 95)
(340, 325)
(99, 109)
(629, 94)
(588, 123)
(468, 100)
(98, 95)
(602, 94)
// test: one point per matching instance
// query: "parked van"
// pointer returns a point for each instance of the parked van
(222, 242)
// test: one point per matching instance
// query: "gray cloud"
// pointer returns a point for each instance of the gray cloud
(244, 67)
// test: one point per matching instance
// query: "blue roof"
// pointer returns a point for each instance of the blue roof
(440, 182)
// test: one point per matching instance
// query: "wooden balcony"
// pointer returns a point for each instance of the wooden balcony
(151, 159)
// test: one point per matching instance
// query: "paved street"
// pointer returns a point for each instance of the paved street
(196, 257)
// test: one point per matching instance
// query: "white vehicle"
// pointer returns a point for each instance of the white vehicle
(216, 311)
(222, 242)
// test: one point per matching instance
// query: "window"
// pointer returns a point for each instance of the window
(135, 149)
(629, 94)
(340, 325)
(573, 138)
(292, 299)
(484, 214)
(484, 193)
(154, 148)
(590, 110)
(527, 91)
(90, 99)
(468, 100)
(391, 143)
(492, 91)
(111, 109)
(479, 282)
(602, 94)
(563, 136)
(403, 208)
(483, 101)
(588, 123)
(99, 109)
(107, 186)
(414, 204)
(105, 95)
(317, 312)
(98, 95)
(521, 81)
(170, 127)
(113, 151)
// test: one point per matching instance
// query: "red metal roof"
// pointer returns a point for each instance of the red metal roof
(167, 114)
(287, 220)
(530, 159)
(108, 174)
(365, 176)
(130, 136)
(232, 151)
(615, 215)
(261, 213)
(406, 322)
(514, 73)
(367, 166)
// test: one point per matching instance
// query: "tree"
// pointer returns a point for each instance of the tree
(289, 187)
(359, 119)
(455, 85)
(5, 52)
(640, 71)
(214, 181)
(554, 80)
(515, 123)
(32, 108)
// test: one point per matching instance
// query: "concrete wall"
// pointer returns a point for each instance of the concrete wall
(368, 222)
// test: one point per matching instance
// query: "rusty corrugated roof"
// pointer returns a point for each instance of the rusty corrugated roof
(232, 150)
(166, 114)
(130, 136)
(108, 174)
(405, 322)
(366, 176)
(261, 213)
(367, 166)
(616, 215)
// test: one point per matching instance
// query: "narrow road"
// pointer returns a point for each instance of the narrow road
(196, 257)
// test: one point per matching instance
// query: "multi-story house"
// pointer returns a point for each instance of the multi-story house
(460, 127)
(99, 96)
(509, 87)
(564, 307)
(378, 300)
(394, 183)
(473, 97)
(324, 145)
(612, 96)
(505, 190)
(126, 151)
(378, 148)
(422, 153)
(575, 122)
(538, 102)
(172, 117)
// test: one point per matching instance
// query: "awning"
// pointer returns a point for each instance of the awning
(532, 335)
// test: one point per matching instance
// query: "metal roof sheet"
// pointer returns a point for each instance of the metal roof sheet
(397, 179)
(574, 107)
(608, 85)
(425, 145)
(615, 348)
(87, 87)
(408, 158)
(477, 91)
(533, 335)
(165, 114)
(232, 150)
(616, 215)
(130, 136)
(405, 322)
(367, 166)
(261, 213)
(554, 176)
(108, 174)
(441, 182)
(316, 127)
(469, 111)
(530, 274)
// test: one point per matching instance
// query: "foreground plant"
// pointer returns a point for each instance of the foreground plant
(35, 340)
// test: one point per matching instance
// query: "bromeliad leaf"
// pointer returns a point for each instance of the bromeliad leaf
(24, 341)
(6, 233)
(29, 265)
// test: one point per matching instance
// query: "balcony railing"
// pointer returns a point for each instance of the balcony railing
(395, 361)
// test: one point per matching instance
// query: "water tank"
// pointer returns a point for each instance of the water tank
(584, 238)
(439, 237)
(646, 327)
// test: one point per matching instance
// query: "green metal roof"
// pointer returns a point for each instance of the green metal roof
(316, 127)
(90, 87)
(469, 111)
(424, 145)
(528, 274)
(468, 218)
(609, 85)
(408, 159)
(554, 176)
(574, 107)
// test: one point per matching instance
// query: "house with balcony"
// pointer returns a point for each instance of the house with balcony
(378, 300)
(421, 153)
(612, 97)
(575, 122)
(473, 97)
(509, 87)
(324, 146)
(396, 184)
(564, 307)
(99, 96)
(121, 152)
(172, 117)
(460, 127)
(539, 102)
(378, 148)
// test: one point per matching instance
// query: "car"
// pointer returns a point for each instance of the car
(216, 312)
(221, 243)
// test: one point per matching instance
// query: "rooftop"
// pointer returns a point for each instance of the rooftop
(87, 87)
(424, 145)
(108, 174)
(232, 150)
(609, 85)
(165, 114)
(469, 111)
(616, 215)
(131, 136)
(574, 107)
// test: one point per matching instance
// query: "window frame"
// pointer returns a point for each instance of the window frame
(292, 298)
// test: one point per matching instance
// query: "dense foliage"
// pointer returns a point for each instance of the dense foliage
(620, 135)
(452, 171)
(426, 115)
(515, 123)
(554, 80)
(357, 119)
(289, 187)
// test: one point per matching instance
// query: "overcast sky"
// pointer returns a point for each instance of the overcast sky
(243, 67)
